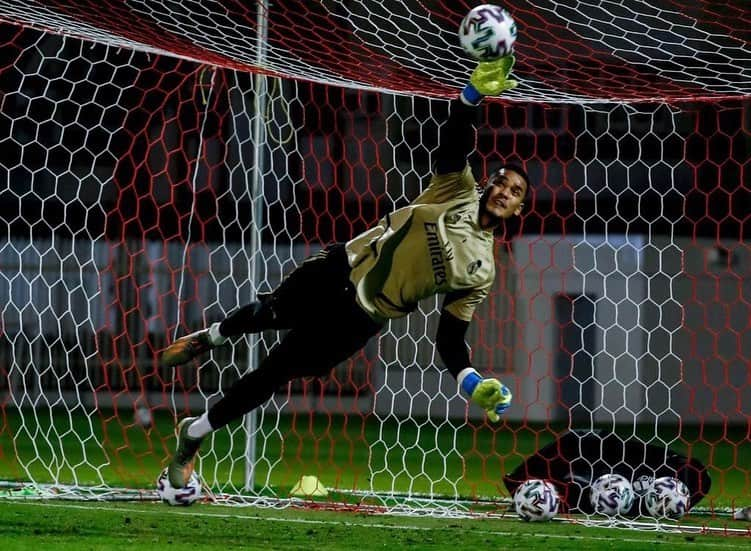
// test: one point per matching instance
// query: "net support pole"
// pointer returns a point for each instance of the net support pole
(256, 182)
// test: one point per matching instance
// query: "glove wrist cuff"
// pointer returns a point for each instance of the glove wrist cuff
(470, 95)
(468, 380)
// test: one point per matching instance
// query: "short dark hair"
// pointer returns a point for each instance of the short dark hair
(519, 170)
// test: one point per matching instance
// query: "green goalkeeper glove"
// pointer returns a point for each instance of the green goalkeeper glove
(490, 394)
(490, 78)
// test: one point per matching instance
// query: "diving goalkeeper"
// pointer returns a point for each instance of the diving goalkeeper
(335, 301)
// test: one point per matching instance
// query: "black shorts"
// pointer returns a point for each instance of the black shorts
(317, 302)
(318, 289)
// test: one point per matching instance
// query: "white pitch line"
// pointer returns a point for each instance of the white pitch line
(385, 526)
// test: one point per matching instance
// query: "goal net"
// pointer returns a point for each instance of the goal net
(165, 162)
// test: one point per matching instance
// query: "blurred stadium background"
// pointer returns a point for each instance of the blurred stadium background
(162, 162)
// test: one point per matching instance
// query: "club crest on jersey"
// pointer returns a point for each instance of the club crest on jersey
(472, 267)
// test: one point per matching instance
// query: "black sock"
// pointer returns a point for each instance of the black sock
(251, 318)
(249, 392)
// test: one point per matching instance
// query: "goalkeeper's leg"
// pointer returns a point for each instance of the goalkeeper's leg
(296, 301)
(181, 466)
(247, 393)
(252, 318)
(304, 352)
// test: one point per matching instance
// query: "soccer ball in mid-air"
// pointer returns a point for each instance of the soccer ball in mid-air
(182, 496)
(667, 497)
(488, 32)
(536, 500)
(611, 494)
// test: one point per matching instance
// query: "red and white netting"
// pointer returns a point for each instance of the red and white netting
(579, 52)
(164, 161)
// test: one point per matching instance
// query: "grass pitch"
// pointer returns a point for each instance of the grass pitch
(69, 526)
(346, 453)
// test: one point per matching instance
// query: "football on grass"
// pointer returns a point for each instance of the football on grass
(536, 500)
(667, 497)
(182, 496)
(611, 494)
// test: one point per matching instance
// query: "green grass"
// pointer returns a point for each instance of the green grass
(104, 526)
(335, 448)
(346, 452)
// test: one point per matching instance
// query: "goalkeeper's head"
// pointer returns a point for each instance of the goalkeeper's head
(504, 195)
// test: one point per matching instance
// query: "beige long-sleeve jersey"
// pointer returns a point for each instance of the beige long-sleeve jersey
(432, 246)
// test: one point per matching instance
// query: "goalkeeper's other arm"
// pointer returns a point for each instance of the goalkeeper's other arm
(490, 394)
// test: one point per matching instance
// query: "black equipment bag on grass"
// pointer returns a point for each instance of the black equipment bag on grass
(576, 459)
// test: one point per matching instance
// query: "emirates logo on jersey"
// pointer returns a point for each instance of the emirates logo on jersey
(437, 252)
(472, 267)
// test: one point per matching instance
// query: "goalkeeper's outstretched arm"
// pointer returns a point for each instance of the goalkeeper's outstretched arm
(456, 139)
(457, 136)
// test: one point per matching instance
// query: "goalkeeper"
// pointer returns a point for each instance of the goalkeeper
(335, 301)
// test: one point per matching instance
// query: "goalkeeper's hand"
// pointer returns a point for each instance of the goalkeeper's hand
(490, 78)
(490, 394)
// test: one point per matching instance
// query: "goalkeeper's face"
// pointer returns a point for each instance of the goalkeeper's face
(503, 197)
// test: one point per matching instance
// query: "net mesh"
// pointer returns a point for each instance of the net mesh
(571, 52)
(165, 162)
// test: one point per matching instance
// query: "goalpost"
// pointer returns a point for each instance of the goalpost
(163, 163)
